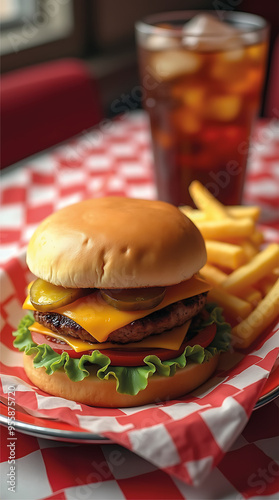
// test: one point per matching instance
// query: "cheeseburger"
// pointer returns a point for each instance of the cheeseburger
(117, 313)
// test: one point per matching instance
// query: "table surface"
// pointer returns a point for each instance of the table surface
(115, 159)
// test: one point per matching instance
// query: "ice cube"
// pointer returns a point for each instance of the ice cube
(173, 63)
(223, 108)
(190, 95)
(251, 38)
(226, 69)
(160, 42)
(234, 55)
(257, 53)
(250, 82)
(206, 33)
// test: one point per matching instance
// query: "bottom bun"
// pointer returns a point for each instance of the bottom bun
(102, 393)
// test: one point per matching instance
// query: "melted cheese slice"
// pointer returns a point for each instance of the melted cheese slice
(100, 319)
(168, 340)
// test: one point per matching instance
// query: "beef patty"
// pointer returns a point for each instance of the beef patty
(157, 322)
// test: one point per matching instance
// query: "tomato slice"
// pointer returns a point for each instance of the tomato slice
(135, 357)
(203, 338)
(120, 357)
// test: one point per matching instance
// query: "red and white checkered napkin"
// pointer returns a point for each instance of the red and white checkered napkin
(63, 471)
(185, 437)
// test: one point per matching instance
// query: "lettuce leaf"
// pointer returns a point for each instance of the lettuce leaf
(129, 379)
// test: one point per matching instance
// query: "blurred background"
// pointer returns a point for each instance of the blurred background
(99, 31)
(100, 34)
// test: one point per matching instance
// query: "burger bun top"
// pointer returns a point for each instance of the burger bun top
(116, 242)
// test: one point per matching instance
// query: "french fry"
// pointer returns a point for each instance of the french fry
(241, 275)
(249, 249)
(258, 320)
(213, 275)
(266, 283)
(251, 295)
(225, 254)
(226, 229)
(233, 306)
(216, 277)
(239, 211)
(248, 274)
(205, 201)
(236, 212)
(194, 214)
(257, 238)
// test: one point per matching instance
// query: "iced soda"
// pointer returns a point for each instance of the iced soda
(202, 81)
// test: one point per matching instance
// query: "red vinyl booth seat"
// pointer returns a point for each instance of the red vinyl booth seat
(44, 105)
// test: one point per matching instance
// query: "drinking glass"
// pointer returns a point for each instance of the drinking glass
(202, 85)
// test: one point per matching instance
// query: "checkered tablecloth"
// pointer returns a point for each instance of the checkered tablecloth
(114, 159)
(60, 471)
(208, 446)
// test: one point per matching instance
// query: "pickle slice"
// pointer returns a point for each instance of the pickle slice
(134, 299)
(45, 296)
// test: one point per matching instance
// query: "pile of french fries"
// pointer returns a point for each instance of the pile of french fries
(244, 274)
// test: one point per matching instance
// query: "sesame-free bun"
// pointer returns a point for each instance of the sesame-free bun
(95, 392)
(116, 243)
